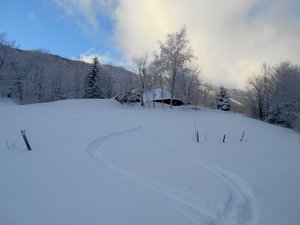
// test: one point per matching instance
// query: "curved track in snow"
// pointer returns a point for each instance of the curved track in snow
(240, 208)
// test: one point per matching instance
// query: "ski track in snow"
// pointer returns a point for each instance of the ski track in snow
(239, 209)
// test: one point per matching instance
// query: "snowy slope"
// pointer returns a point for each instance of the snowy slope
(96, 162)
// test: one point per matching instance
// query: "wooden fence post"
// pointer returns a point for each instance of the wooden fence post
(224, 138)
(242, 137)
(23, 132)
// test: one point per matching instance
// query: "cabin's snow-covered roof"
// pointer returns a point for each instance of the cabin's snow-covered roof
(156, 94)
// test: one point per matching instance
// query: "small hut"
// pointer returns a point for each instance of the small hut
(162, 96)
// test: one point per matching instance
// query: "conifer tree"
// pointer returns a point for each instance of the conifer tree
(91, 83)
(223, 101)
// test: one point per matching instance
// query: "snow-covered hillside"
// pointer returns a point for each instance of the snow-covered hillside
(97, 162)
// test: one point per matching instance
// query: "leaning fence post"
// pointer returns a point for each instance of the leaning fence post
(197, 134)
(242, 137)
(23, 132)
(224, 138)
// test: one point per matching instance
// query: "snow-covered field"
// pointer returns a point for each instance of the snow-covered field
(97, 162)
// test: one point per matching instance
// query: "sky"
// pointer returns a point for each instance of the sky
(231, 39)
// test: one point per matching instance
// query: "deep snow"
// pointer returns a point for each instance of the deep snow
(97, 162)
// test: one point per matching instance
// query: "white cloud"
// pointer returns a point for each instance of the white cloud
(231, 38)
(103, 58)
(87, 12)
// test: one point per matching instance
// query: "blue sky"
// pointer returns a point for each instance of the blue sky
(41, 24)
(240, 35)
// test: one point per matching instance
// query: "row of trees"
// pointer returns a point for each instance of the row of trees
(28, 76)
(274, 94)
(174, 68)
(35, 76)
(38, 76)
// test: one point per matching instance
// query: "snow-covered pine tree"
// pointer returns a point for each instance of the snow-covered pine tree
(223, 101)
(92, 88)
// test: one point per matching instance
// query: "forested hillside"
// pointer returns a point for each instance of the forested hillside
(36, 76)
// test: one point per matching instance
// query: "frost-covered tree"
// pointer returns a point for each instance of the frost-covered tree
(105, 83)
(285, 101)
(176, 56)
(91, 83)
(260, 91)
(76, 85)
(142, 65)
(17, 82)
(38, 81)
(188, 86)
(57, 85)
(274, 95)
(30, 76)
(5, 44)
(3, 56)
(223, 101)
(155, 77)
(4, 40)
(207, 96)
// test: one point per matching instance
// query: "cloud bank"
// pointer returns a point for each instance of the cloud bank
(105, 59)
(231, 38)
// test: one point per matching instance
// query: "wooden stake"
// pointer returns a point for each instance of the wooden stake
(242, 137)
(224, 138)
(197, 134)
(8, 147)
(23, 132)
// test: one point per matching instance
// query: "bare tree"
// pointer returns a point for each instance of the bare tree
(5, 43)
(3, 56)
(142, 64)
(188, 85)
(274, 94)
(57, 85)
(206, 94)
(155, 77)
(285, 101)
(176, 55)
(76, 85)
(4, 40)
(16, 82)
(125, 83)
(38, 82)
(105, 82)
(260, 91)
